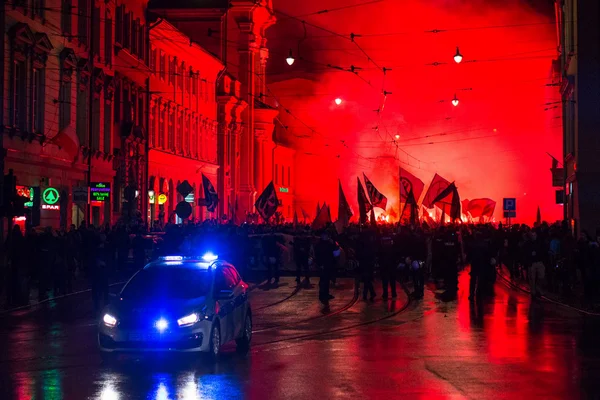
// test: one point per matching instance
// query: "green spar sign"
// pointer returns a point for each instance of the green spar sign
(50, 196)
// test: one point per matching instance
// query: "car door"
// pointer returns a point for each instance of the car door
(239, 301)
(226, 306)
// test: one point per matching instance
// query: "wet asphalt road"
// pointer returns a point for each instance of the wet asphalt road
(504, 348)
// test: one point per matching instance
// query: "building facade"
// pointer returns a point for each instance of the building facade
(578, 28)
(98, 98)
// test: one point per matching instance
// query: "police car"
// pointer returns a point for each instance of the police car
(178, 304)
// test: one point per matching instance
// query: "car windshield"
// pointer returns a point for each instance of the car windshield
(174, 283)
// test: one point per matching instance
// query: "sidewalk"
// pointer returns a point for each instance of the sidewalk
(573, 302)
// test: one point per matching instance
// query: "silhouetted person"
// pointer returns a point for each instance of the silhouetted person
(15, 246)
(301, 256)
(479, 255)
(388, 261)
(367, 254)
(326, 252)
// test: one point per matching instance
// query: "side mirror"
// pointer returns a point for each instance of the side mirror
(224, 294)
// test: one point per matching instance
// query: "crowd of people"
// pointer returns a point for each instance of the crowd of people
(548, 257)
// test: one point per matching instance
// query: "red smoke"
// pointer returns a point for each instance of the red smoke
(493, 144)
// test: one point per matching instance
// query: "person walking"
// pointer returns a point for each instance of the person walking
(326, 252)
(535, 256)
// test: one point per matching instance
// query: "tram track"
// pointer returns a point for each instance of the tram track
(340, 329)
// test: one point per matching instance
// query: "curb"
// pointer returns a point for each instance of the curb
(525, 289)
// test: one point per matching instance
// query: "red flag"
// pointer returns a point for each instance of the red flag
(318, 209)
(410, 182)
(372, 218)
(465, 206)
(323, 218)
(377, 199)
(437, 186)
(364, 206)
(67, 140)
(481, 208)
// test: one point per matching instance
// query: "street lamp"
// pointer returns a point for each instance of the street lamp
(397, 136)
(458, 57)
(290, 58)
(455, 101)
(338, 101)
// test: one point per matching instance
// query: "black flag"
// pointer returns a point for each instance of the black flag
(363, 202)
(211, 198)
(267, 202)
(455, 205)
(377, 199)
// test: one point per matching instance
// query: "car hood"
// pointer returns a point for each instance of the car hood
(156, 308)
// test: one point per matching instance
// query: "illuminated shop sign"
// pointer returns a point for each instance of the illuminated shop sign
(284, 189)
(100, 191)
(50, 197)
(50, 207)
(28, 192)
(162, 199)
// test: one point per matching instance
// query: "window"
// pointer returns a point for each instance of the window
(64, 100)
(82, 113)
(163, 66)
(108, 39)
(19, 104)
(66, 16)
(188, 81)
(282, 176)
(120, 11)
(37, 100)
(194, 83)
(38, 8)
(276, 173)
(289, 176)
(107, 128)
(161, 126)
(135, 36)
(180, 132)
(173, 71)
(152, 61)
(142, 44)
(182, 72)
(171, 138)
(96, 27)
(96, 123)
(152, 127)
(83, 16)
(141, 111)
(168, 282)
(126, 105)
(193, 137)
(127, 30)
(117, 103)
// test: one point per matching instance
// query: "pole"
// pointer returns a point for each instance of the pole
(90, 108)
(2, 151)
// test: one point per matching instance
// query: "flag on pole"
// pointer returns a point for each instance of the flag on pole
(364, 206)
(481, 208)
(410, 182)
(344, 211)
(322, 219)
(437, 186)
(295, 219)
(304, 214)
(410, 210)
(377, 199)
(455, 202)
(211, 198)
(372, 218)
(538, 218)
(318, 209)
(267, 202)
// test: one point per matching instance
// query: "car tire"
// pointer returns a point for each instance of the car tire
(214, 348)
(243, 343)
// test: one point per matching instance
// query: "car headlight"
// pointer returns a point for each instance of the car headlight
(109, 320)
(188, 320)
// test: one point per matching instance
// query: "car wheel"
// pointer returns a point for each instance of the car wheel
(243, 343)
(215, 342)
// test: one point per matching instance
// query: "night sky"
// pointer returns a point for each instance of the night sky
(493, 144)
